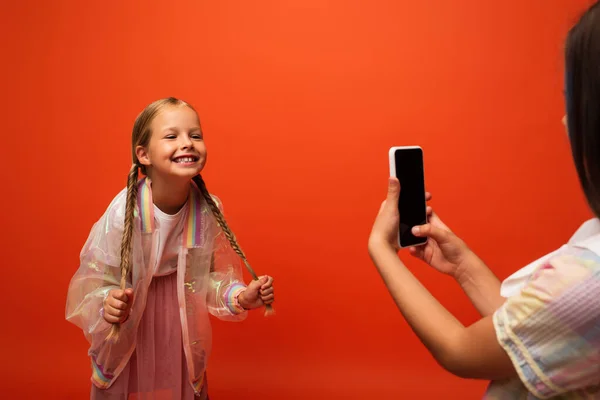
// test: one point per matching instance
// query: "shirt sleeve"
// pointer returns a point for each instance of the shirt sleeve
(551, 329)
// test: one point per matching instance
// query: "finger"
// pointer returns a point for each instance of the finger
(393, 194)
(110, 319)
(254, 286)
(428, 196)
(114, 312)
(268, 283)
(429, 211)
(393, 191)
(268, 299)
(120, 295)
(416, 252)
(381, 207)
(435, 220)
(129, 293)
(267, 291)
(116, 304)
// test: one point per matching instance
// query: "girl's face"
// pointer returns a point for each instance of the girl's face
(176, 148)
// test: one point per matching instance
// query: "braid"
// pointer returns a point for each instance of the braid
(132, 190)
(225, 228)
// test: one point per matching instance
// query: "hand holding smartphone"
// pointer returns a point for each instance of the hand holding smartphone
(406, 164)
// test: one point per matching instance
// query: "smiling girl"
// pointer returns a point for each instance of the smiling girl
(158, 261)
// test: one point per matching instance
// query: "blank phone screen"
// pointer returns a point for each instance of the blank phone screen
(411, 205)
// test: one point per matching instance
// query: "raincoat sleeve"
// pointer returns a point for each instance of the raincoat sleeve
(98, 273)
(226, 278)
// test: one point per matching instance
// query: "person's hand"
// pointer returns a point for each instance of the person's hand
(384, 233)
(258, 293)
(117, 305)
(444, 251)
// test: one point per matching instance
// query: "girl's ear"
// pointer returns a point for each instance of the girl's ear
(142, 155)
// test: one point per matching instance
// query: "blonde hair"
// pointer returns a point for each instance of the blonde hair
(141, 137)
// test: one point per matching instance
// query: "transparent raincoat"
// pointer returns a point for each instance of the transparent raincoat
(209, 279)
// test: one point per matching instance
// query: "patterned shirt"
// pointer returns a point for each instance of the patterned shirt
(551, 331)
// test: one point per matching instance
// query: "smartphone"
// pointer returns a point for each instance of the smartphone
(406, 164)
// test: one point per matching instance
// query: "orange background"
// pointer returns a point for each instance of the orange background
(300, 101)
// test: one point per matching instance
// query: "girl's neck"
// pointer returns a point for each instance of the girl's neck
(169, 195)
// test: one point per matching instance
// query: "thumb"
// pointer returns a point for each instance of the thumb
(255, 285)
(429, 230)
(129, 294)
(393, 192)
(120, 295)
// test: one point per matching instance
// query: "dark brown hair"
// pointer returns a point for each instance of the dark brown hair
(582, 90)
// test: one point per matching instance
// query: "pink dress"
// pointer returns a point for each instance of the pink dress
(157, 368)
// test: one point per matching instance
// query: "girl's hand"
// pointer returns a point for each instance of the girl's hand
(117, 305)
(444, 251)
(258, 293)
(384, 233)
